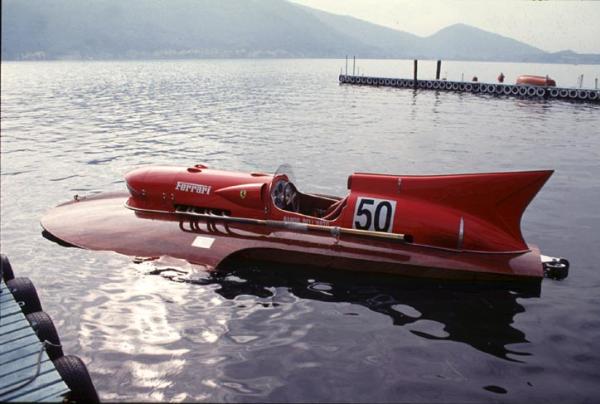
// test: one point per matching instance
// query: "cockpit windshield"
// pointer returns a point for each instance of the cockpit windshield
(286, 197)
(284, 192)
(287, 170)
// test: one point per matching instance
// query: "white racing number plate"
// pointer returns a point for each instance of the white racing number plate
(374, 214)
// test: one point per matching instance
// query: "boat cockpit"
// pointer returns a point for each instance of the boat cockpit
(286, 197)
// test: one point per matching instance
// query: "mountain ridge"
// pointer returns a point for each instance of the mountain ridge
(110, 29)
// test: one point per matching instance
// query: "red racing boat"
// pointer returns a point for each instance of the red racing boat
(464, 226)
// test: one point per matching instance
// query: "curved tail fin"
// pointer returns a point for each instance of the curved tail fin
(491, 204)
(497, 199)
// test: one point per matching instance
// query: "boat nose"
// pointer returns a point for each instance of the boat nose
(136, 182)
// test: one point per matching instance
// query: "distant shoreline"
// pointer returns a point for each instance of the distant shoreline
(595, 61)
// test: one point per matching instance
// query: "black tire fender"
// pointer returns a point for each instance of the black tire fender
(44, 328)
(6, 268)
(24, 292)
(76, 376)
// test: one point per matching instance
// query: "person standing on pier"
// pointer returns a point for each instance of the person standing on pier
(501, 78)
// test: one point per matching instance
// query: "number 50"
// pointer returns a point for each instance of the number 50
(374, 214)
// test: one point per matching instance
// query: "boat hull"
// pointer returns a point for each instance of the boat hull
(102, 222)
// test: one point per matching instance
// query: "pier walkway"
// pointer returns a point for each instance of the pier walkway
(509, 90)
(26, 372)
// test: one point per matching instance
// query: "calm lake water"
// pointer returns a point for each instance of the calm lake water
(263, 334)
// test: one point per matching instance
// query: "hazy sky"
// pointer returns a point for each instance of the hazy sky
(549, 25)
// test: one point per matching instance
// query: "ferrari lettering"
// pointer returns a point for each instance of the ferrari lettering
(194, 188)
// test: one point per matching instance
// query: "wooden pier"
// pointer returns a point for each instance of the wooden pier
(32, 364)
(474, 87)
(26, 372)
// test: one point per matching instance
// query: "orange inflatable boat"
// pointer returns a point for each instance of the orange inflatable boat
(529, 80)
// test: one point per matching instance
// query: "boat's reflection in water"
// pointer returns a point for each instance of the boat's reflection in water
(478, 315)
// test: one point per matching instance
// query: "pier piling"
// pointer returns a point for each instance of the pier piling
(346, 64)
(415, 83)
